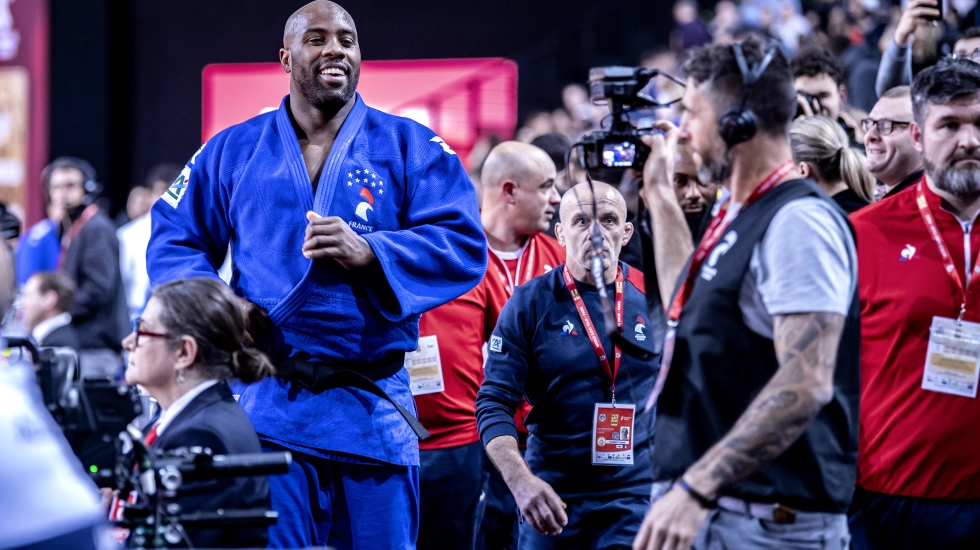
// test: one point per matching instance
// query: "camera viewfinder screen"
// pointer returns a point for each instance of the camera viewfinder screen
(617, 155)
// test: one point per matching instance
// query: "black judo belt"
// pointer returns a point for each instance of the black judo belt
(339, 373)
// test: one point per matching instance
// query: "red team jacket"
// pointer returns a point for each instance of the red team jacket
(912, 442)
(461, 327)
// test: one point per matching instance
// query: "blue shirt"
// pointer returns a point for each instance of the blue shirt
(38, 250)
(545, 356)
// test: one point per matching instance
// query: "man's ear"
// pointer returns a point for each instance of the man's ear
(560, 234)
(50, 300)
(627, 233)
(843, 95)
(915, 132)
(509, 189)
(285, 60)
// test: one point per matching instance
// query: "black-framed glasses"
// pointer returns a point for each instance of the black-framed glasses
(885, 125)
(138, 332)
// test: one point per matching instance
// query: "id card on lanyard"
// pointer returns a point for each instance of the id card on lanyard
(711, 237)
(612, 423)
(953, 355)
(424, 367)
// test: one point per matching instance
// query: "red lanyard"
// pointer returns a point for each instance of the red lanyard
(926, 212)
(713, 234)
(503, 271)
(590, 330)
(76, 228)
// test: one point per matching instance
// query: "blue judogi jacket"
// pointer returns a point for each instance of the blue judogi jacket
(38, 250)
(397, 185)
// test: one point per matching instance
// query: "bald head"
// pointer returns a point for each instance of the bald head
(299, 21)
(579, 198)
(576, 227)
(519, 192)
(515, 161)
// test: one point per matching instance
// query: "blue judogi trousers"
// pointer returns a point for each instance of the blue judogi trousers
(346, 505)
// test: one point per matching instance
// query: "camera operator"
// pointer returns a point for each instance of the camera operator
(185, 346)
(47, 502)
(757, 418)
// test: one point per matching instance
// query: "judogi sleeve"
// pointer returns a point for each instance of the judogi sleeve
(190, 232)
(506, 369)
(441, 253)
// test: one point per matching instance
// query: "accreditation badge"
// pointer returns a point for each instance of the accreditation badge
(952, 357)
(425, 368)
(612, 434)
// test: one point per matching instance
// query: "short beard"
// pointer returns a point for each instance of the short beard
(963, 183)
(321, 97)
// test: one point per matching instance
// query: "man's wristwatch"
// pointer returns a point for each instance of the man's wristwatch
(704, 501)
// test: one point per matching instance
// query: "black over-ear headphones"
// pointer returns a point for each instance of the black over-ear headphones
(738, 124)
(91, 185)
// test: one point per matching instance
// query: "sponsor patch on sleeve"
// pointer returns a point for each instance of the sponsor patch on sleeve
(179, 186)
(496, 344)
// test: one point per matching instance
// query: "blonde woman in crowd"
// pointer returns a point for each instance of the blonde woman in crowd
(820, 148)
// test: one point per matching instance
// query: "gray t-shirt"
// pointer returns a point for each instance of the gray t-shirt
(806, 263)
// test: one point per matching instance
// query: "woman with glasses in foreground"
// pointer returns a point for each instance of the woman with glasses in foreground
(185, 346)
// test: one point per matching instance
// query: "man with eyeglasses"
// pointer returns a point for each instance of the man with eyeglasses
(918, 482)
(968, 46)
(892, 158)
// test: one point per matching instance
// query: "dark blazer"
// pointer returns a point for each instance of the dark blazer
(214, 419)
(61, 337)
(100, 315)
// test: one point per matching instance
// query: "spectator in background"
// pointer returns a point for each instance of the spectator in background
(134, 237)
(820, 148)
(536, 124)
(918, 473)
(693, 188)
(892, 157)
(790, 26)
(817, 73)
(725, 20)
(91, 261)
(689, 31)
(968, 46)
(920, 38)
(46, 304)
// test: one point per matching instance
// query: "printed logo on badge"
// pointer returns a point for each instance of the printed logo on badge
(496, 344)
(640, 327)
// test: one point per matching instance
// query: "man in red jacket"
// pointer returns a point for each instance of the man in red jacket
(519, 200)
(919, 454)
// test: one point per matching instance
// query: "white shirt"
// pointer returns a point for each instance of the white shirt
(134, 238)
(168, 415)
(46, 327)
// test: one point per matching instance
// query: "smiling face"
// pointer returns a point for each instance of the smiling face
(949, 140)
(322, 55)
(891, 158)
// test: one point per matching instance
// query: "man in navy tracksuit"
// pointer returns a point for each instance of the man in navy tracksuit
(587, 477)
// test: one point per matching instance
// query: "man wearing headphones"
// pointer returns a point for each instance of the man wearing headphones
(90, 257)
(757, 396)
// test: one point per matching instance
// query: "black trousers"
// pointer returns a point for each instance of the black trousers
(451, 485)
(887, 522)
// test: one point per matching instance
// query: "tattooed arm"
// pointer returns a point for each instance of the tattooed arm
(806, 348)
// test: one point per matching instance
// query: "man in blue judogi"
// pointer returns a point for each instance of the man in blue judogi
(345, 224)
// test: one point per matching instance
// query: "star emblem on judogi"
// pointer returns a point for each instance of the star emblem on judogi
(358, 171)
(350, 174)
(381, 191)
(349, 183)
(357, 180)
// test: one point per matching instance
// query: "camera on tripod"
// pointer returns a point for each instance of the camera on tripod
(632, 93)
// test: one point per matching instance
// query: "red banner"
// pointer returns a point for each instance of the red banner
(23, 105)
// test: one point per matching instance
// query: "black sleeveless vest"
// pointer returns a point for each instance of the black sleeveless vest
(720, 366)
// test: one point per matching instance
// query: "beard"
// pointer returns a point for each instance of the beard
(323, 97)
(959, 182)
